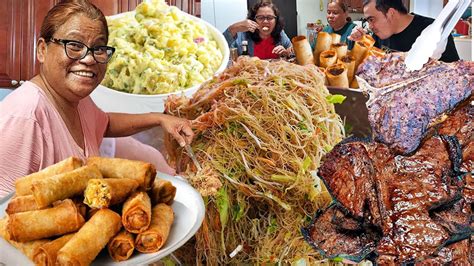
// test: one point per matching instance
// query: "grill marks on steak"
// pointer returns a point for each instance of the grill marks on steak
(402, 195)
(400, 117)
(353, 242)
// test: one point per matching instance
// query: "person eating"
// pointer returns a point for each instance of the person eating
(262, 32)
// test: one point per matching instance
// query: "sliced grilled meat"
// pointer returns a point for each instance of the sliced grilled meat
(401, 114)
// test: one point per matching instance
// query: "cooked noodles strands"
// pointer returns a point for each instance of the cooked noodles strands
(262, 127)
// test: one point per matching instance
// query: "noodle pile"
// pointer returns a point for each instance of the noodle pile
(261, 130)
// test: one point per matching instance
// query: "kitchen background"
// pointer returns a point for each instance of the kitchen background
(20, 22)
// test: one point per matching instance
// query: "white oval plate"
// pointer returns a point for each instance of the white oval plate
(110, 100)
(189, 212)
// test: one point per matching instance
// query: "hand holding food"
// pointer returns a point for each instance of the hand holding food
(357, 34)
(243, 26)
(179, 128)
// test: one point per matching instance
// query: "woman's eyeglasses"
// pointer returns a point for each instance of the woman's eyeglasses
(77, 50)
(263, 18)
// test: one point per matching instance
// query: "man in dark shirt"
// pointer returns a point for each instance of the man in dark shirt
(395, 29)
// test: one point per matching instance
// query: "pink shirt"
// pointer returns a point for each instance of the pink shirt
(33, 135)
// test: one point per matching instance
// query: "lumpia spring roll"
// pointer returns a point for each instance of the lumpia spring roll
(162, 192)
(27, 248)
(323, 43)
(84, 246)
(337, 76)
(359, 51)
(59, 220)
(327, 58)
(102, 193)
(349, 62)
(323, 70)
(368, 40)
(46, 254)
(63, 186)
(121, 246)
(340, 48)
(136, 212)
(143, 172)
(302, 48)
(156, 235)
(336, 38)
(23, 184)
(22, 204)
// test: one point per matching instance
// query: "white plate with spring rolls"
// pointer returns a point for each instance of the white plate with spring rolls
(189, 211)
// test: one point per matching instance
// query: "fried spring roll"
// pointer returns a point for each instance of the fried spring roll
(349, 62)
(102, 193)
(323, 43)
(121, 246)
(22, 204)
(23, 184)
(63, 186)
(136, 212)
(27, 248)
(340, 48)
(47, 253)
(375, 51)
(142, 172)
(327, 58)
(59, 220)
(337, 76)
(336, 38)
(162, 192)
(359, 51)
(368, 40)
(86, 244)
(302, 48)
(323, 70)
(156, 235)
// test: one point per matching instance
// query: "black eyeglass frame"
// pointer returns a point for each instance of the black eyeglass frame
(263, 18)
(64, 42)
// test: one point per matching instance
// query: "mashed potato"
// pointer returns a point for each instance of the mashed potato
(159, 50)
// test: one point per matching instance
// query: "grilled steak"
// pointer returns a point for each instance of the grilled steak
(327, 236)
(420, 202)
(455, 254)
(401, 113)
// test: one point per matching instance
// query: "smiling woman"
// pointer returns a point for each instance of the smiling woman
(51, 117)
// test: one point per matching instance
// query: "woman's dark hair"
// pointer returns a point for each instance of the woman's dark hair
(66, 9)
(278, 25)
(343, 5)
(384, 5)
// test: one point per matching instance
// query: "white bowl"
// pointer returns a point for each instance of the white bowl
(110, 100)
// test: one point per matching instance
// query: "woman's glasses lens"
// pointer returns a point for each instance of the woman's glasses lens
(77, 50)
(263, 18)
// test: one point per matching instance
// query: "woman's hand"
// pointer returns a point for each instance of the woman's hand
(179, 128)
(281, 51)
(357, 34)
(243, 26)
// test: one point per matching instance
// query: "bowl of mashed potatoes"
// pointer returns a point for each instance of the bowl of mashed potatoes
(160, 51)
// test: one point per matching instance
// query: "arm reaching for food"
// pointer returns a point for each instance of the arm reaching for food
(129, 124)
